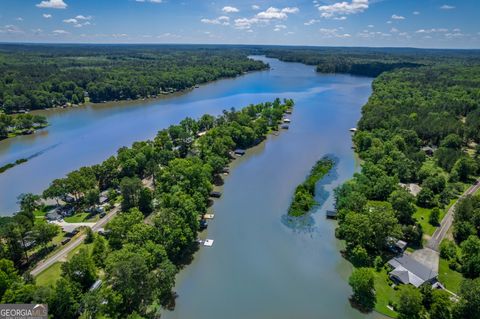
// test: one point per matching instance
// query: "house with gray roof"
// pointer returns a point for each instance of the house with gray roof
(407, 270)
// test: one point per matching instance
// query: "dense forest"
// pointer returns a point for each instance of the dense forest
(155, 233)
(419, 126)
(41, 76)
(369, 61)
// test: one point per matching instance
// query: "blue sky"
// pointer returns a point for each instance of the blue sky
(414, 23)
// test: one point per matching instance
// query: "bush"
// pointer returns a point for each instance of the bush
(448, 250)
(434, 217)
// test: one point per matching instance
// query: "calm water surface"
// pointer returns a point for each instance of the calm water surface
(258, 267)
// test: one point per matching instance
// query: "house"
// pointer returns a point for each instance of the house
(331, 214)
(286, 121)
(96, 285)
(396, 245)
(407, 270)
(53, 215)
(428, 150)
(239, 152)
(285, 127)
(215, 194)
(412, 188)
(103, 197)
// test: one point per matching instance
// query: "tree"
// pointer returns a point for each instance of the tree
(145, 201)
(471, 257)
(362, 282)
(441, 307)
(434, 218)
(128, 275)
(80, 270)
(119, 226)
(28, 203)
(468, 306)
(43, 233)
(8, 275)
(99, 251)
(426, 198)
(403, 204)
(130, 187)
(409, 303)
(63, 302)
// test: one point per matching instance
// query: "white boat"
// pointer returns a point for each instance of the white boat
(208, 243)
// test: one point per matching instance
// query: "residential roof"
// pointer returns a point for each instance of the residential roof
(410, 271)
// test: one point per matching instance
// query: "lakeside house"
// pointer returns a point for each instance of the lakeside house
(103, 197)
(286, 121)
(239, 152)
(428, 150)
(396, 245)
(412, 188)
(407, 270)
(285, 127)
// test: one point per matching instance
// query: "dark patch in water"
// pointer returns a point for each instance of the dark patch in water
(306, 223)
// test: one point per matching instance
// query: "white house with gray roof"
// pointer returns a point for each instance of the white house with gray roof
(407, 270)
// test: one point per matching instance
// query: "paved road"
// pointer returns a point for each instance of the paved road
(63, 252)
(446, 223)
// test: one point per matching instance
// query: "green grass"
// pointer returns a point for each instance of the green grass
(49, 276)
(451, 279)
(77, 218)
(385, 293)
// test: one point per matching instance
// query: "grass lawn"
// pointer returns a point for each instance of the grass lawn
(49, 276)
(385, 293)
(77, 218)
(449, 278)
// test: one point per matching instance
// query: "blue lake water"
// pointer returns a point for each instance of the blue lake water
(259, 266)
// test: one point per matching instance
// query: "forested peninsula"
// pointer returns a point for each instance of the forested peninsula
(158, 192)
(44, 76)
(418, 139)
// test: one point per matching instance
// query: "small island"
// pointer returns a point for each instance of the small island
(304, 200)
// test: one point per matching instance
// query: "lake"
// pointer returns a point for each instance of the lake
(259, 266)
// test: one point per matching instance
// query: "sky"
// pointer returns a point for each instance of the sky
(387, 23)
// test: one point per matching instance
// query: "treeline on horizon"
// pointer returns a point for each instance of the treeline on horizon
(155, 233)
(44, 76)
(370, 61)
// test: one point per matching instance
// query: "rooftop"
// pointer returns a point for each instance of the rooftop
(410, 271)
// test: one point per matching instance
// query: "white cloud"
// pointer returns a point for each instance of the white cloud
(10, 28)
(72, 21)
(397, 17)
(343, 8)
(52, 4)
(416, 13)
(290, 10)
(60, 32)
(333, 33)
(275, 13)
(255, 7)
(47, 16)
(229, 9)
(394, 30)
(81, 17)
(340, 18)
(371, 26)
(244, 23)
(223, 20)
(77, 21)
(434, 30)
(312, 21)
(280, 27)
(447, 7)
